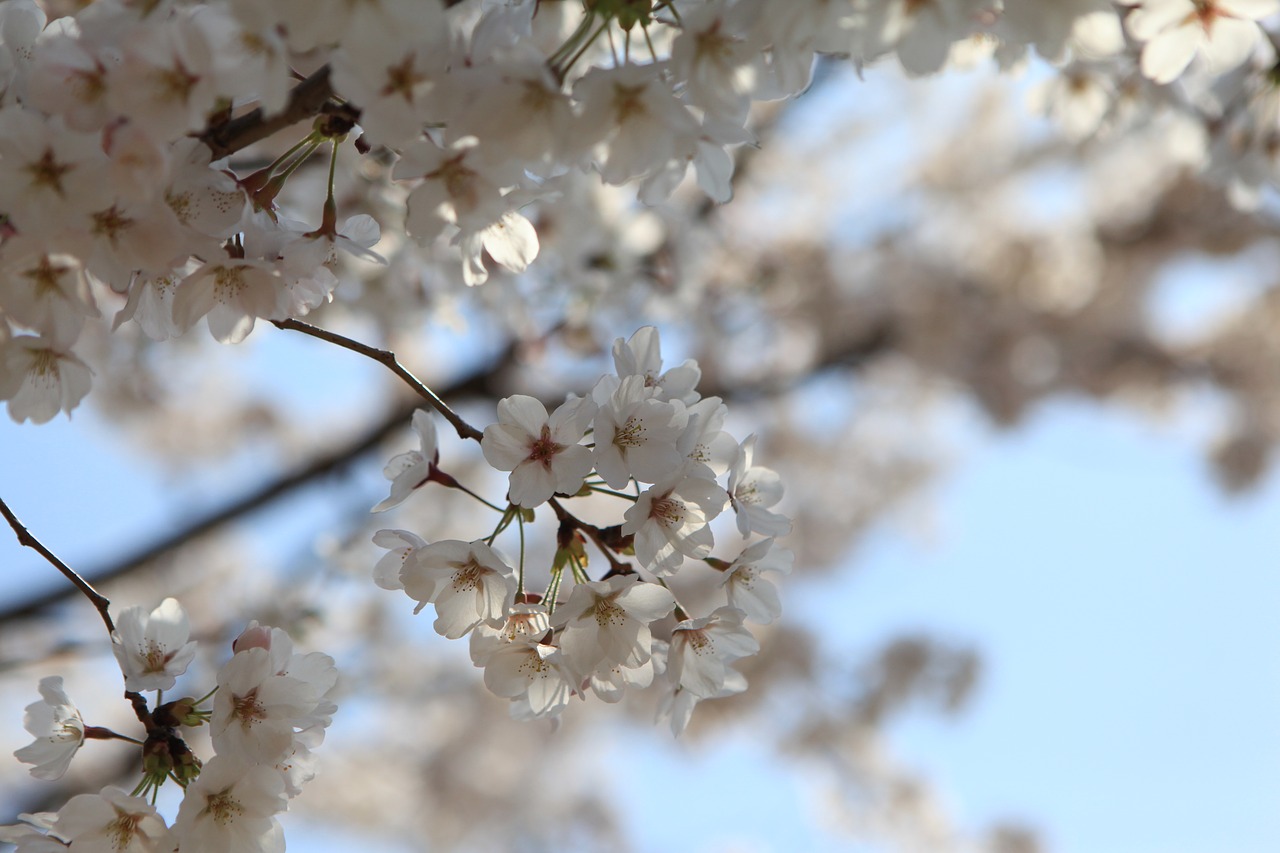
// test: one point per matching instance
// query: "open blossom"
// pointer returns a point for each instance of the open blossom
(231, 808)
(641, 355)
(266, 695)
(153, 650)
(747, 587)
(408, 471)
(112, 821)
(671, 521)
(752, 490)
(530, 673)
(466, 581)
(702, 649)
(233, 293)
(636, 434)
(34, 834)
(1223, 32)
(58, 729)
(41, 376)
(401, 545)
(541, 451)
(606, 623)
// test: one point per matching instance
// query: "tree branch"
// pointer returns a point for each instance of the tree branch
(307, 100)
(97, 599)
(388, 360)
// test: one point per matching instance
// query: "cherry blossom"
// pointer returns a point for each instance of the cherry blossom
(410, 470)
(1223, 32)
(231, 808)
(58, 729)
(40, 376)
(541, 451)
(153, 649)
(702, 649)
(752, 490)
(746, 585)
(670, 521)
(636, 434)
(606, 623)
(466, 581)
(112, 821)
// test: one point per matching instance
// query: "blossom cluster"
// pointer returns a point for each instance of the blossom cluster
(640, 428)
(111, 196)
(270, 709)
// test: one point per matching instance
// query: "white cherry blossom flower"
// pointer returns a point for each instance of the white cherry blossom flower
(745, 582)
(530, 673)
(711, 54)
(518, 103)
(48, 174)
(401, 546)
(633, 120)
(409, 471)
(34, 834)
(1223, 32)
(677, 705)
(636, 434)
(230, 808)
(44, 289)
(670, 521)
(150, 303)
(153, 649)
(40, 376)
(165, 81)
(21, 22)
(610, 683)
(702, 649)
(707, 448)
(641, 355)
(460, 186)
(58, 729)
(466, 581)
(259, 705)
(70, 80)
(233, 293)
(606, 623)
(112, 821)
(541, 452)
(752, 490)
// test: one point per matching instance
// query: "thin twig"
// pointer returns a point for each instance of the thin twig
(596, 535)
(97, 599)
(388, 360)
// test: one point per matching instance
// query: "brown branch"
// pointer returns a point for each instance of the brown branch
(97, 599)
(311, 97)
(482, 383)
(307, 100)
(388, 360)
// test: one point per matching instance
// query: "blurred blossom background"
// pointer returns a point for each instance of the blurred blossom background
(1024, 392)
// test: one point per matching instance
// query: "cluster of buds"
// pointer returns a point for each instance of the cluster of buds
(267, 713)
(642, 437)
